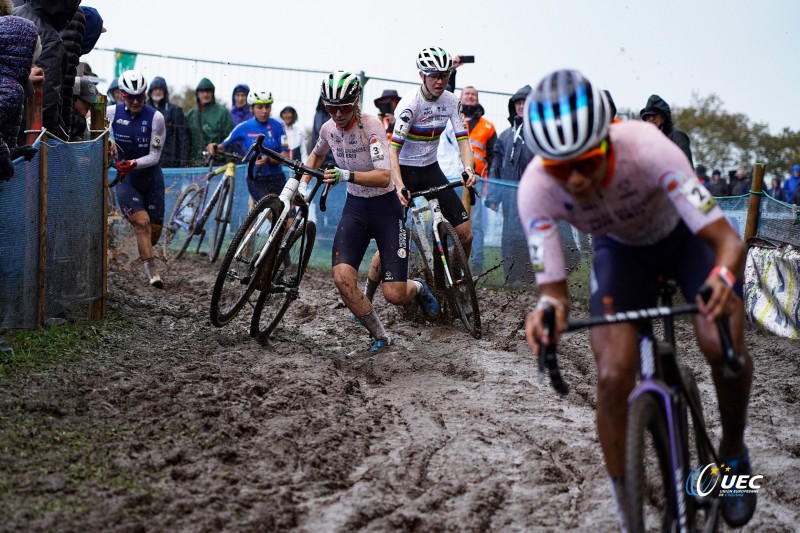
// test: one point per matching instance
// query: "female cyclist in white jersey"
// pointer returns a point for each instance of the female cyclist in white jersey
(372, 209)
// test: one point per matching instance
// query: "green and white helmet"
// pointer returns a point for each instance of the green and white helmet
(259, 97)
(340, 88)
(434, 59)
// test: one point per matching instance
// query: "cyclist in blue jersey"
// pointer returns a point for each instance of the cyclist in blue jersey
(139, 131)
(269, 177)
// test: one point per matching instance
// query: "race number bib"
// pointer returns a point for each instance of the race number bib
(376, 150)
(698, 196)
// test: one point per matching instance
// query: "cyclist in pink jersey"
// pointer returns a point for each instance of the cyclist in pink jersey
(372, 209)
(635, 191)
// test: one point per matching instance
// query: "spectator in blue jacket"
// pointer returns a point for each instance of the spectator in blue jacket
(792, 183)
(175, 152)
(240, 111)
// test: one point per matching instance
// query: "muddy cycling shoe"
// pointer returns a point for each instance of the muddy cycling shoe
(379, 344)
(152, 275)
(427, 302)
(738, 509)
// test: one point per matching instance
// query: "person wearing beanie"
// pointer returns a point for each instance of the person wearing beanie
(240, 111)
(18, 44)
(175, 153)
(208, 122)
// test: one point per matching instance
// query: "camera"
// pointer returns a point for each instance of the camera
(467, 59)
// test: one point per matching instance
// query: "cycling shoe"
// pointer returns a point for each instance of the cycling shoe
(738, 509)
(427, 302)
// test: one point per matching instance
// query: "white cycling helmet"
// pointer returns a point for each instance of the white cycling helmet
(340, 88)
(132, 83)
(434, 59)
(564, 116)
(259, 97)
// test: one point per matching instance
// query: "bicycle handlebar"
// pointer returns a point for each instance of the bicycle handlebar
(438, 188)
(732, 362)
(547, 354)
(297, 166)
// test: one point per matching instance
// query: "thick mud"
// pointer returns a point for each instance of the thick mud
(170, 424)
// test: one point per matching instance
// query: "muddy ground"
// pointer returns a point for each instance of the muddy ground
(170, 424)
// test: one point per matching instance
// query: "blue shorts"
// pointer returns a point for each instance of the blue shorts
(421, 178)
(142, 190)
(379, 218)
(625, 277)
(261, 186)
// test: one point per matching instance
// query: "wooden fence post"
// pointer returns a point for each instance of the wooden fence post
(97, 308)
(41, 277)
(756, 187)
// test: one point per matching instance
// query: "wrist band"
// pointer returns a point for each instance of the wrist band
(545, 301)
(726, 275)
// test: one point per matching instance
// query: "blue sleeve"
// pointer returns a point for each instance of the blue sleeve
(236, 135)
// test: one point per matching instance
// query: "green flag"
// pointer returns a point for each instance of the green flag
(125, 61)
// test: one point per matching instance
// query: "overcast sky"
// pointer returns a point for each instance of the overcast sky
(744, 51)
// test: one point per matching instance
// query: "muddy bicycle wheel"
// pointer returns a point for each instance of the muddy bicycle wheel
(461, 297)
(222, 218)
(290, 266)
(237, 277)
(649, 484)
(702, 514)
(417, 264)
(179, 230)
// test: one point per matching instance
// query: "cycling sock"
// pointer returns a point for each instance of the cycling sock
(617, 486)
(374, 325)
(370, 287)
(417, 286)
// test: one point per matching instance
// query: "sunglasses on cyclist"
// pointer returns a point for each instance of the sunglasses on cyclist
(343, 109)
(134, 97)
(444, 76)
(585, 164)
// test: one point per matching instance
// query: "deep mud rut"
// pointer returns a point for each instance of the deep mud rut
(172, 424)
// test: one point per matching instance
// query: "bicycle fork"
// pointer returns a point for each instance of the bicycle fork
(437, 221)
(670, 404)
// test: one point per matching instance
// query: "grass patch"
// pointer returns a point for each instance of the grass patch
(36, 349)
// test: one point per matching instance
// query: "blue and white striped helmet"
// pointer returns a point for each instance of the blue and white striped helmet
(565, 116)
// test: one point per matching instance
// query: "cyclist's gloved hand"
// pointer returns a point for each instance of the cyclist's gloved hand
(335, 175)
(6, 169)
(27, 151)
(125, 166)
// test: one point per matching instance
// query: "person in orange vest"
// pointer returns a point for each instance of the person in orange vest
(482, 136)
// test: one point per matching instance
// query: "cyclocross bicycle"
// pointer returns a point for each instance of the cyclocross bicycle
(194, 207)
(270, 252)
(658, 407)
(448, 270)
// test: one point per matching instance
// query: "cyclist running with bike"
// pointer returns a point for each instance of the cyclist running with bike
(372, 209)
(139, 132)
(421, 117)
(269, 177)
(634, 190)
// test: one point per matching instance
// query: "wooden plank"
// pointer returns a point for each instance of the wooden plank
(757, 186)
(41, 278)
(98, 308)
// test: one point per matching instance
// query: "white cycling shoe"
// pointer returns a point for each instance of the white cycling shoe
(149, 267)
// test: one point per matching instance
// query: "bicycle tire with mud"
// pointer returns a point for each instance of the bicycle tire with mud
(462, 300)
(222, 218)
(190, 194)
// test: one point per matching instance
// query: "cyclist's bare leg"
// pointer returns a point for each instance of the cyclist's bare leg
(464, 232)
(373, 276)
(345, 277)
(399, 292)
(615, 351)
(155, 233)
(140, 221)
(733, 394)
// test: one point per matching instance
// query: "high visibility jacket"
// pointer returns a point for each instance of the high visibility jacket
(479, 141)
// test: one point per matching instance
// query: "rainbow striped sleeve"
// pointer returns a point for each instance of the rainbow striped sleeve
(397, 141)
(461, 136)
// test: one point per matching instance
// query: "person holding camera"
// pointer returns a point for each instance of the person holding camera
(386, 103)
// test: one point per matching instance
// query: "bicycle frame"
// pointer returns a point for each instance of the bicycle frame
(418, 227)
(287, 197)
(204, 212)
(661, 378)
